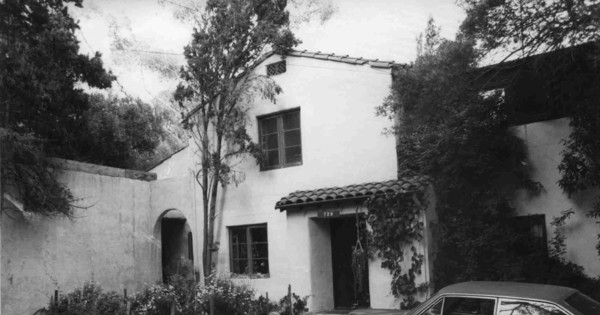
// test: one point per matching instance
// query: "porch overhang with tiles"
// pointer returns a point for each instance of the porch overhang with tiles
(356, 192)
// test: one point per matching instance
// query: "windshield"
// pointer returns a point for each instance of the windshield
(584, 304)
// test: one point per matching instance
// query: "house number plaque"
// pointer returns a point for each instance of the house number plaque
(328, 213)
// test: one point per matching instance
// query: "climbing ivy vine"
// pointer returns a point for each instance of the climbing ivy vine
(396, 228)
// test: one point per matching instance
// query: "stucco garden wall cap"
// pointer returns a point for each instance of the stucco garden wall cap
(69, 165)
(352, 192)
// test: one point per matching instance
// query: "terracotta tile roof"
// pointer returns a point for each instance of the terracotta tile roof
(358, 191)
(375, 63)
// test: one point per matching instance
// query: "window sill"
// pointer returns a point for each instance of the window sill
(250, 276)
(270, 168)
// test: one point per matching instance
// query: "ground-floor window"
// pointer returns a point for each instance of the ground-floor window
(249, 250)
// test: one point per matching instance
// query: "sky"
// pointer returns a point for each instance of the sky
(150, 37)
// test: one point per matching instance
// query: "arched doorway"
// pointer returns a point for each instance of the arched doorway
(177, 249)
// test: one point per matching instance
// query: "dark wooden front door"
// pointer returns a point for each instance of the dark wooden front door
(343, 238)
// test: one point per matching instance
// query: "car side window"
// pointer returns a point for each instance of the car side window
(435, 309)
(521, 307)
(468, 306)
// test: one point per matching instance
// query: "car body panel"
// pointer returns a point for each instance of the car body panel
(551, 294)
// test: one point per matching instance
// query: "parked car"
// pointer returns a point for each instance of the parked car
(502, 298)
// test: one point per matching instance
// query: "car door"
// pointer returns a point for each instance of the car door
(461, 305)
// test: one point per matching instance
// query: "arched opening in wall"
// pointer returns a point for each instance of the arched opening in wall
(177, 250)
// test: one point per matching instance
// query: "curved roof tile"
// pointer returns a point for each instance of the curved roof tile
(355, 191)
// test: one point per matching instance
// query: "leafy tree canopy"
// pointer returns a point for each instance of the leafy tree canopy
(530, 27)
(41, 72)
(218, 87)
(126, 133)
(46, 112)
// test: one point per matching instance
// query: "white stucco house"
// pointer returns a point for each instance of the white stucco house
(292, 220)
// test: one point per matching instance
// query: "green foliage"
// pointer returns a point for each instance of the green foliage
(123, 132)
(28, 176)
(41, 72)
(396, 224)
(89, 300)
(218, 88)
(228, 297)
(179, 293)
(189, 297)
(461, 139)
(570, 85)
(529, 27)
(299, 305)
(41, 104)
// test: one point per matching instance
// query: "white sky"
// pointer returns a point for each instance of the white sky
(384, 29)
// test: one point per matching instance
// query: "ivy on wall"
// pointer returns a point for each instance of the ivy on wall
(396, 224)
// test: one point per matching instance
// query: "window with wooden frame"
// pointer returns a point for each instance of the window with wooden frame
(276, 68)
(249, 250)
(280, 139)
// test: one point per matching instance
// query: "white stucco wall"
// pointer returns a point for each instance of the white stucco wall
(342, 144)
(543, 141)
(107, 242)
(113, 240)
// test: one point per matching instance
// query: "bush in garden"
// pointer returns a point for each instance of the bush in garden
(157, 299)
(299, 305)
(229, 298)
(89, 300)
(263, 306)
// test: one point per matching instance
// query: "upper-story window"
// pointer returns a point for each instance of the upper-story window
(280, 139)
(276, 68)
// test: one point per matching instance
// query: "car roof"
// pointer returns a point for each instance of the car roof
(511, 289)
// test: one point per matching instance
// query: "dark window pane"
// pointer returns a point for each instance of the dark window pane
(260, 266)
(291, 120)
(514, 307)
(243, 251)
(292, 138)
(269, 126)
(240, 266)
(272, 158)
(461, 306)
(435, 309)
(260, 251)
(238, 236)
(584, 304)
(293, 155)
(270, 142)
(258, 235)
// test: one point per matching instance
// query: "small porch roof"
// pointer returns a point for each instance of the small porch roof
(351, 192)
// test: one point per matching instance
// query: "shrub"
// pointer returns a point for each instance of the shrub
(299, 305)
(228, 297)
(89, 300)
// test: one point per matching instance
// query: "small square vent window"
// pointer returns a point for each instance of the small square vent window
(276, 68)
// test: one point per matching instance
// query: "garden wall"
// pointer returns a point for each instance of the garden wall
(111, 240)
